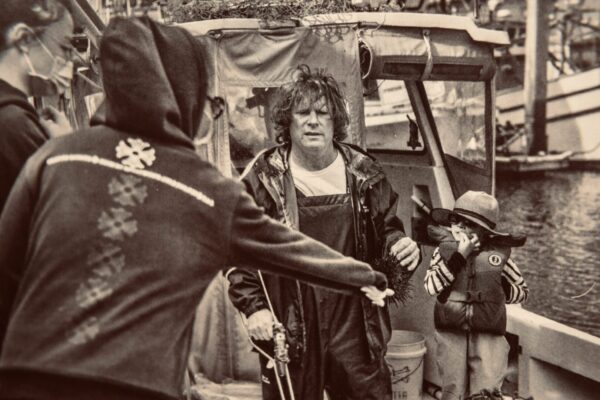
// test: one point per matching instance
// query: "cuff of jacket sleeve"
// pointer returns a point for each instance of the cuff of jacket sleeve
(254, 307)
(444, 294)
(456, 262)
(391, 240)
(380, 281)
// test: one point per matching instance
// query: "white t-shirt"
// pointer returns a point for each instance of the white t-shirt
(329, 180)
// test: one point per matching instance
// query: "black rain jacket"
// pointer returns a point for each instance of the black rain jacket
(21, 134)
(376, 224)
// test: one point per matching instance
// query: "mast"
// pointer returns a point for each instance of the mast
(536, 50)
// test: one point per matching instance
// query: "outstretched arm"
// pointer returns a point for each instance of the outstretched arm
(264, 243)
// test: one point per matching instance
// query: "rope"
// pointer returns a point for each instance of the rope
(262, 282)
(584, 293)
(271, 359)
(429, 64)
(287, 371)
(264, 353)
(587, 151)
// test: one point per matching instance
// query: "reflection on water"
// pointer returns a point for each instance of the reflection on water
(560, 214)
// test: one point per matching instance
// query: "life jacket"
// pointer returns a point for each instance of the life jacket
(477, 301)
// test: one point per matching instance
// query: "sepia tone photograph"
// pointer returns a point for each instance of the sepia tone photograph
(299, 199)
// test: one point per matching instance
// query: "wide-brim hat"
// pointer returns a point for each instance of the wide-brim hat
(479, 207)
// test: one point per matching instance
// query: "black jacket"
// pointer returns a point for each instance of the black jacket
(377, 228)
(21, 134)
(112, 234)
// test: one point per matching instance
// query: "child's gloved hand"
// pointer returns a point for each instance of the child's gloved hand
(467, 245)
(376, 296)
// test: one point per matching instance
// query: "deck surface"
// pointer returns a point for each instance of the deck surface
(237, 391)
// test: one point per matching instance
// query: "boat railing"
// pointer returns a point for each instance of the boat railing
(554, 361)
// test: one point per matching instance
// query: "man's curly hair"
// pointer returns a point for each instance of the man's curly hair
(309, 87)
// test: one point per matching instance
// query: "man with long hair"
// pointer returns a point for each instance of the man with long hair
(338, 194)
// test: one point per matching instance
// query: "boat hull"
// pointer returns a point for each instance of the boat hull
(572, 116)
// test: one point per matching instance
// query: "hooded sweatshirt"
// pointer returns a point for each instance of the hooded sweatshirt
(21, 134)
(111, 235)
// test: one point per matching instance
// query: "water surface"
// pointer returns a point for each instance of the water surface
(560, 214)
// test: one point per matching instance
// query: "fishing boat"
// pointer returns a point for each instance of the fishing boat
(572, 90)
(572, 117)
(435, 138)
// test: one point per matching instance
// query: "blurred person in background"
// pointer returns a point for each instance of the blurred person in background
(35, 60)
(35, 52)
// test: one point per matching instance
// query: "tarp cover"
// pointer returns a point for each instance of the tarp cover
(220, 348)
(251, 61)
(448, 47)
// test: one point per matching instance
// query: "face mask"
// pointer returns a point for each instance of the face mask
(56, 82)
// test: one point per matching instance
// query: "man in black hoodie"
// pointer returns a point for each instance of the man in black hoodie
(35, 46)
(111, 235)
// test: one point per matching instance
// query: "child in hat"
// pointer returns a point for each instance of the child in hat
(473, 277)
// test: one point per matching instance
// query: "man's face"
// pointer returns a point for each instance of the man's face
(56, 38)
(312, 126)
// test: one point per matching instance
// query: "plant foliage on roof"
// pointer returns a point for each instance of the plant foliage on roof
(199, 10)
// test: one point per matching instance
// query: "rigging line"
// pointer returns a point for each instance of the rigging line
(374, 90)
(287, 372)
(584, 293)
(268, 357)
(587, 151)
(89, 81)
(267, 296)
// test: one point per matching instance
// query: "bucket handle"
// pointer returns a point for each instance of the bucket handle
(406, 370)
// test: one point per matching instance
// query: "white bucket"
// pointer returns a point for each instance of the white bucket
(405, 359)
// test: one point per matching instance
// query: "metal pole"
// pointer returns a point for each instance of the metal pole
(536, 56)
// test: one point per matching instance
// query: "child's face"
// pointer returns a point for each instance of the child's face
(468, 227)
